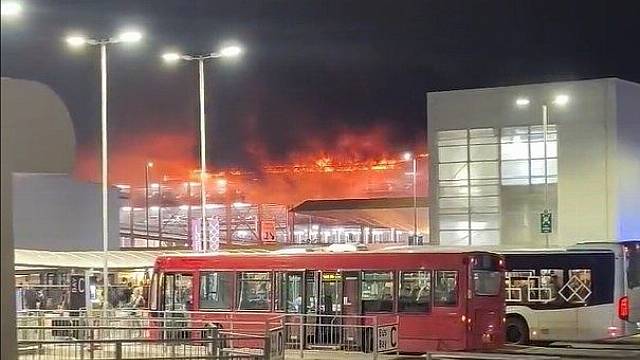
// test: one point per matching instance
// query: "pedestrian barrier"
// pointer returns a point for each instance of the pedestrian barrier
(200, 335)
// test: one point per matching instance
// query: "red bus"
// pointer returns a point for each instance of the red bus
(442, 299)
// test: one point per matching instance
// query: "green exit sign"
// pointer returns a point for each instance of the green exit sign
(546, 222)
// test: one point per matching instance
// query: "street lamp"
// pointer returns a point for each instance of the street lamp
(77, 41)
(559, 100)
(226, 52)
(147, 165)
(10, 9)
(409, 156)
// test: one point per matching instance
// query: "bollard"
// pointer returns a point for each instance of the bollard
(375, 340)
(267, 346)
(214, 346)
(118, 350)
(301, 337)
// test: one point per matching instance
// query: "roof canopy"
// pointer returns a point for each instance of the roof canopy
(118, 260)
(395, 213)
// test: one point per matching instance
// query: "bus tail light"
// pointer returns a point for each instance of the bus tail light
(623, 308)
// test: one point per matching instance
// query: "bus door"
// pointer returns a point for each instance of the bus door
(177, 300)
(352, 330)
(330, 305)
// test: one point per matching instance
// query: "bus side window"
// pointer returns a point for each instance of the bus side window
(153, 293)
(168, 292)
(254, 291)
(446, 288)
(578, 288)
(288, 292)
(216, 290)
(377, 292)
(415, 292)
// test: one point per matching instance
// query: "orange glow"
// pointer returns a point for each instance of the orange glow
(352, 165)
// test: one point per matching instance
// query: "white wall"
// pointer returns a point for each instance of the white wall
(56, 212)
(627, 161)
(598, 150)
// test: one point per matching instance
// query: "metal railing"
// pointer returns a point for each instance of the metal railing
(188, 335)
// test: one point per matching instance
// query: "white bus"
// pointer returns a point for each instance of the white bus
(587, 292)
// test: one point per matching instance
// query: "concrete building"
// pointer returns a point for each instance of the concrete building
(58, 213)
(492, 174)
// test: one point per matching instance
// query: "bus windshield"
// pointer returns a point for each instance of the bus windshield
(486, 275)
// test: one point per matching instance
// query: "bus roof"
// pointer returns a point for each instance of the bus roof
(331, 250)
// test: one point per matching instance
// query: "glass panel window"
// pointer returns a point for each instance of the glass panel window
(485, 237)
(153, 292)
(454, 203)
(446, 288)
(485, 204)
(168, 292)
(552, 168)
(485, 221)
(453, 171)
(454, 238)
(515, 151)
(632, 252)
(184, 293)
(216, 290)
(452, 154)
(254, 291)
(537, 168)
(377, 292)
(453, 222)
(454, 191)
(484, 170)
(528, 286)
(515, 169)
(577, 290)
(486, 283)
(415, 292)
(508, 134)
(485, 190)
(289, 292)
(484, 152)
(452, 137)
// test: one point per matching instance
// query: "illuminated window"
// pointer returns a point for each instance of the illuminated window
(377, 292)
(415, 292)
(446, 288)
(254, 291)
(288, 292)
(469, 179)
(522, 155)
(216, 290)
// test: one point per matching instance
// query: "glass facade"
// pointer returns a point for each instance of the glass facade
(478, 167)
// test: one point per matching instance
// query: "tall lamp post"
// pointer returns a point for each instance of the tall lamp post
(77, 41)
(559, 100)
(148, 165)
(414, 161)
(230, 51)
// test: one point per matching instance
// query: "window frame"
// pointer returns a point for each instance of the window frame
(437, 303)
(232, 289)
(238, 289)
(276, 290)
(500, 282)
(430, 297)
(393, 281)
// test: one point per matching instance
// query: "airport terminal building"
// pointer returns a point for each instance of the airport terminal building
(493, 175)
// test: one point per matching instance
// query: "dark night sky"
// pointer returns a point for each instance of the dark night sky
(311, 68)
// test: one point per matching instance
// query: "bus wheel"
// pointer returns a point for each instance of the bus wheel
(517, 331)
